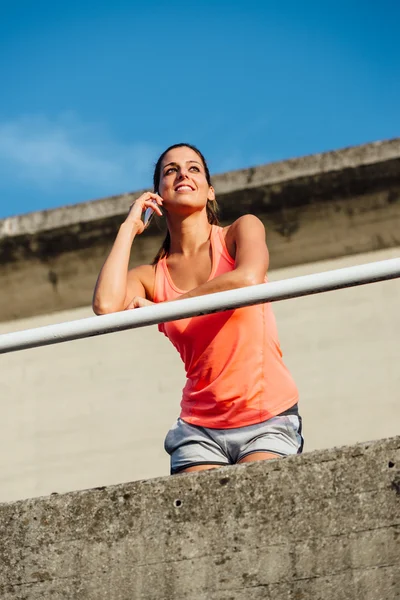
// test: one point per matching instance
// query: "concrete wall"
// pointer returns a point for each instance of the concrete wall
(323, 526)
(95, 412)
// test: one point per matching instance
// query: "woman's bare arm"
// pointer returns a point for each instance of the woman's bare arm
(115, 287)
(246, 237)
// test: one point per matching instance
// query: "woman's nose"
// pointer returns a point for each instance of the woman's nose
(183, 172)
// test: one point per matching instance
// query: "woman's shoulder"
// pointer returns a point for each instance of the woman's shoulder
(243, 222)
(242, 225)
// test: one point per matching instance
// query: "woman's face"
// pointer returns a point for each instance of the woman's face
(183, 182)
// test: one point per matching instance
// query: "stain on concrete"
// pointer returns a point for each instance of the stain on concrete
(396, 483)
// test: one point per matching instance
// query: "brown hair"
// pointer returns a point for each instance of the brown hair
(211, 207)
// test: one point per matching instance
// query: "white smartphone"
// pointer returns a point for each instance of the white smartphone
(148, 215)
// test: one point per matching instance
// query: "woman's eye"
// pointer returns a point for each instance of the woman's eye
(168, 171)
(195, 168)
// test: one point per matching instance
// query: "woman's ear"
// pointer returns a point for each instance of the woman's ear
(211, 193)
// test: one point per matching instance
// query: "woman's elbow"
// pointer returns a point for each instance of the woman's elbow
(101, 308)
(98, 309)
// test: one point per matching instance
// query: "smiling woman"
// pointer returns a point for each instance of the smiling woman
(198, 165)
(239, 403)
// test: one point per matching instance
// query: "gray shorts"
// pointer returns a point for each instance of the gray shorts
(190, 445)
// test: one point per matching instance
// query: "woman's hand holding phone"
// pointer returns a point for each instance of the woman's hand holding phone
(148, 202)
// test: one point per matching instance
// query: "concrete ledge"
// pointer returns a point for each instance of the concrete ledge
(316, 166)
(314, 208)
(321, 526)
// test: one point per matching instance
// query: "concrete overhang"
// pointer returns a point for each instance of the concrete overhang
(314, 207)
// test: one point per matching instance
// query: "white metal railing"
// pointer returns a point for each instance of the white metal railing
(201, 305)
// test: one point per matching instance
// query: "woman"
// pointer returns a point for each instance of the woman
(240, 402)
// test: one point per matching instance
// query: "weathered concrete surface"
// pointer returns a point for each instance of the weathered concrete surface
(85, 413)
(323, 526)
(315, 207)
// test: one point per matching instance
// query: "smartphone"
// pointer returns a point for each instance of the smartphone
(148, 215)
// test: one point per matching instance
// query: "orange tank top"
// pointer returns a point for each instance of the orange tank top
(233, 361)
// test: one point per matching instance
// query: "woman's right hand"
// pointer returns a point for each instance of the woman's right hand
(146, 200)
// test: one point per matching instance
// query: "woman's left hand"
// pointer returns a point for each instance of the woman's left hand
(138, 302)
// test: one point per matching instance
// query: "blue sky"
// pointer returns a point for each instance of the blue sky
(92, 92)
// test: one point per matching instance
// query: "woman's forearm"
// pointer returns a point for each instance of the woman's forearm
(111, 287)
(247, 235)
(228, 281)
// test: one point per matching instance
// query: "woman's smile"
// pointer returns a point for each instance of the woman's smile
(184, 187)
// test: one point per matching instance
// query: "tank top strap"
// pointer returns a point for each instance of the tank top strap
(164, 288)
(160, 281)
(218, 242)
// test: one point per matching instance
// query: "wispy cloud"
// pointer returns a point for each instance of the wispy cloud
(47, 153)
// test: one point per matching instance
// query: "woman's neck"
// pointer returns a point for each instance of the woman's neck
(189, 234)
